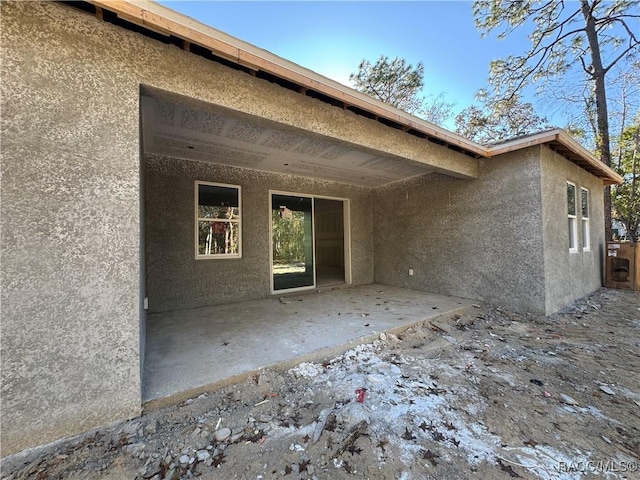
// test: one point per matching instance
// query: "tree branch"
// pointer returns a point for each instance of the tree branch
(585, 68)
(622, 55)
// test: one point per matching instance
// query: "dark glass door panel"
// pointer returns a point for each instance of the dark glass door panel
(292, 242)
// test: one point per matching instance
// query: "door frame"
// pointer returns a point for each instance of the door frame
(346, 218)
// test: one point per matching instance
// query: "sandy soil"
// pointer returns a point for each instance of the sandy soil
(487, 394)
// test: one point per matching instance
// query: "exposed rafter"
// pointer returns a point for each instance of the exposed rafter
(257, 62)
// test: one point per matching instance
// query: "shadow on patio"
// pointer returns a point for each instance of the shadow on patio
(192, 351)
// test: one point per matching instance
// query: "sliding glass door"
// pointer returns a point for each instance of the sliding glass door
(292, 242)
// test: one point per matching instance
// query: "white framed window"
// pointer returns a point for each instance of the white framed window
(584, 210)
(573, 218)
(218, 232)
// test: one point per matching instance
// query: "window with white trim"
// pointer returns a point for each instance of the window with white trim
(584, 201)
(218, 214)
(573, 218)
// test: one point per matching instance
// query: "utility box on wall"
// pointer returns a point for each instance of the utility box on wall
(623, 266)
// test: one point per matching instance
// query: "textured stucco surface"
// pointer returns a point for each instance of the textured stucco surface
(175, 280)
(569, 276)
(267, 106)
(182, 128)
(478, 239)
(70, 306)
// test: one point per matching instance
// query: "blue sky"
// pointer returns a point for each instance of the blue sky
(332, 37)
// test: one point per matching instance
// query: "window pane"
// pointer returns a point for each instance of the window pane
(585, 203)
(586, 244)
(217, 238)
(218, 202)
(571, 199)
(572, 233)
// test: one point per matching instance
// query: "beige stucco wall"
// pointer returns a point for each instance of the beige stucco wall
(502, 238)
(70, 238)
(569, 276)
(479, 239)
(176, 280)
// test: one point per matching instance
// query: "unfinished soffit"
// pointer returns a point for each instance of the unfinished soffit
(158, 21)
(209, 134)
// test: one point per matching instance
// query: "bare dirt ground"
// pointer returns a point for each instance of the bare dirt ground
(486, 394)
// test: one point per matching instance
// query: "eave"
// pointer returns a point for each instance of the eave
(562, 143)
(164, 21)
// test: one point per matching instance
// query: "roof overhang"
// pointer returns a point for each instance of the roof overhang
(162, 20)
(193, 130)
(561, 142)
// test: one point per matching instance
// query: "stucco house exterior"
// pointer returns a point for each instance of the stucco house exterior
(148, 159)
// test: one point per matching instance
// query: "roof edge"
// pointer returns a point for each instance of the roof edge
(161, 19)
(561, 137)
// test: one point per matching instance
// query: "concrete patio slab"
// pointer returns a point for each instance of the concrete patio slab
(192, 351)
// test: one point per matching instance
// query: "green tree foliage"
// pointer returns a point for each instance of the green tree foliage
(498, 119)
(288, 238)
(398, 83)
(590, 35)
(393, 81)
(625, 198)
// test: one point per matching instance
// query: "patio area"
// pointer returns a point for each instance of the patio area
(195, 350)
